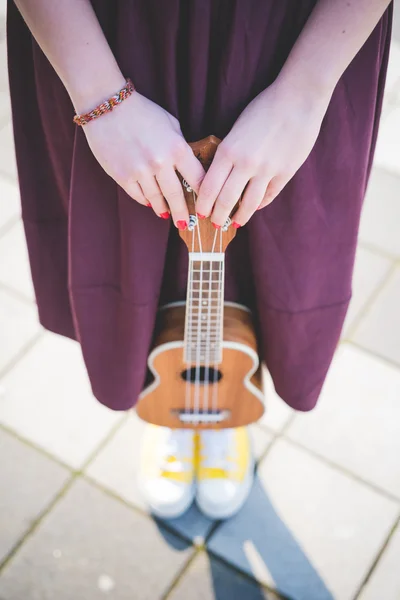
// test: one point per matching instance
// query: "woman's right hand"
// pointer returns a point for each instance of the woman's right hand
(139, 144)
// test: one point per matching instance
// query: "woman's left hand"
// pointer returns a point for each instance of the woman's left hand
(266, 146)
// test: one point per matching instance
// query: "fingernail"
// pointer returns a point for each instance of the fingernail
(201, 216)
(217, 226)
(164, 215)
(181, 225)
(236, 225)
(148, 204)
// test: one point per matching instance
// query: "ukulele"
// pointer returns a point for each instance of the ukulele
(204, 358)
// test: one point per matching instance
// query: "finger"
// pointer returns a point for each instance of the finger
(212, 183)
(252, 198)
(229, 195)
(151, 190)
(191, 169)
(274, 188)
(172, 189)
(135, 191)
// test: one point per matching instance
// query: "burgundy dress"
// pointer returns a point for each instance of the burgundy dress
(102, 264)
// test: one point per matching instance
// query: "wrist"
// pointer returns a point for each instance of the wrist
(311, 86)
(86, 91)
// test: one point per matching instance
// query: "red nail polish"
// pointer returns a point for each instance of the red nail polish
(217, 226)
(181, 225)
(164, 215)
(201, 216)
(236, 225)
(148, 204)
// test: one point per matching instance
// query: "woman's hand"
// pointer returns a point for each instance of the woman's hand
(139, 144)
(266, 146)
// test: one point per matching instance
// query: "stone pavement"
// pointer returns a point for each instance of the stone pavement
(322, 522)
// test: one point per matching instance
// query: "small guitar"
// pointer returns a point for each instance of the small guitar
(204, 359)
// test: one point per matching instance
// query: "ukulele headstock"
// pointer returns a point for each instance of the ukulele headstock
(201, 235)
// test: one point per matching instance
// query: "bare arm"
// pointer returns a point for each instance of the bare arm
(139, 144)
(332, 36)
(276, 132)
(70, 36)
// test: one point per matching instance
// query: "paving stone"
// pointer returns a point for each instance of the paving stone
(385, 579)
(207, 578)
(14, 261)
(379, 329)
(381, 212)
(4, 87)
(370, 272)
(387, 153)
(28, 482)
(123, 450)
(356, 422)
(48, 400)
(307, 528)
(18, 325)
(8, 165)
(393, 72)
(10, 201)
(260, 440)
(277, 412)
(91, 546)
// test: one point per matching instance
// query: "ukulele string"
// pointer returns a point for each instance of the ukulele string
(209, 331)
(214, 402)
(199, 315)
(189, 314)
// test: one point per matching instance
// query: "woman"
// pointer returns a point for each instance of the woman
(294, 90)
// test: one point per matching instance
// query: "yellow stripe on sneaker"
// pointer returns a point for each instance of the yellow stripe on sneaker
(240, 461)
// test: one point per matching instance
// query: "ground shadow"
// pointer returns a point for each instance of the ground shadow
(258, 542)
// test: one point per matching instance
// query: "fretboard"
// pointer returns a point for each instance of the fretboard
(204, 308)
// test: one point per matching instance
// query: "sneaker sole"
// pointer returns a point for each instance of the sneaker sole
(231, 509)
(176, 510)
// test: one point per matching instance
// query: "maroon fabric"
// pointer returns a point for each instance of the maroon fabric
(102, 264)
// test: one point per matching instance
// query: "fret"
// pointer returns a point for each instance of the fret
(204, 309)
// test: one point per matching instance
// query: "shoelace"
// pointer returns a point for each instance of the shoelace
(216, 449)
(175, 453)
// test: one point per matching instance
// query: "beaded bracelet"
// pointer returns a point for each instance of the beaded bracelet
(106, 106)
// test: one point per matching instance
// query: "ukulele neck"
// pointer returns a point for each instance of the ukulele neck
(204, 308)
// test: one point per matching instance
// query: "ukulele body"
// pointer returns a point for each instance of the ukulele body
(228, 394)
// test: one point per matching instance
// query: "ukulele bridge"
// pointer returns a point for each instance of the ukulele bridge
(202, 416)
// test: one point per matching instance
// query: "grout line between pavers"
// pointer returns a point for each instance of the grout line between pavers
(378, 557)
(137, 509)
(373, 486)
(103, 443)
(27, 442)
(370, 301)
(278, 595)
(36, 522)
(179, 576)
(218, 559)
(388, 361)
(374, 249)
(74, 475)
(26, 348)
(8, 225)
(18, 295)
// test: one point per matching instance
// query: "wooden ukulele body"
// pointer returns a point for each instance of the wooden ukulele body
(204, 359)
(227, 395)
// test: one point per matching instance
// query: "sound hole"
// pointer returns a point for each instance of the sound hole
(201, 375)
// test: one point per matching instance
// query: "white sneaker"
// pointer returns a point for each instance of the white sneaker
(225, 471)
(166, 473)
